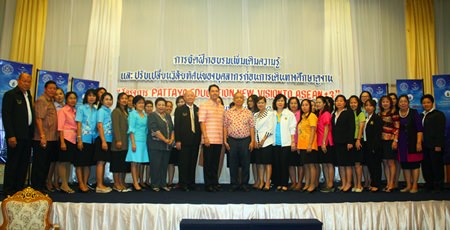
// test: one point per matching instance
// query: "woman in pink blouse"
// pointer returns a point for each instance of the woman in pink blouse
(325, 142)
(67, 128)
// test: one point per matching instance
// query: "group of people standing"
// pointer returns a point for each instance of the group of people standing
(296, 140)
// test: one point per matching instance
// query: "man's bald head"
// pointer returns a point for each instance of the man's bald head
(24, 82)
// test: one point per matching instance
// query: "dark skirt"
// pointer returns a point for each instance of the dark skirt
(85, 157)
(309, 158)
(328, 157)
(343, 156)
(295, 159)
(100, 154)
(174, 155)
(54, 153)
(357, 155)
(263, 156)
(410, 165)
(69, 154)
(388, 152)
(118, 163)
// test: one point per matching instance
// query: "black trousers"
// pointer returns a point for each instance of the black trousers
(187, 163)
(211, 157)
(41, 163)
(239, 156)
(280, 166)
(16, 167)
(433, 168)
(373, 160)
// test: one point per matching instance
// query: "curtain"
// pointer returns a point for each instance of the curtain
(29, 32)
(66, 36)
(103, 44)
(341, 50)
(380, 36)
(355, 215)
(421, 41)
(442, 20)
(7, 28)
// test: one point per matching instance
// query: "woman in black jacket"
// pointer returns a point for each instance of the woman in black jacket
(433, 122)
(343, 130)
(372, 144)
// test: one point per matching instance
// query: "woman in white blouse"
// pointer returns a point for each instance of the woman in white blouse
(263, 144)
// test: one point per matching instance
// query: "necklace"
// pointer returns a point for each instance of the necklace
(405, 115)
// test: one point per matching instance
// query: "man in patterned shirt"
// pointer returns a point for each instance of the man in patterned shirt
(239, 138)
(211, 123)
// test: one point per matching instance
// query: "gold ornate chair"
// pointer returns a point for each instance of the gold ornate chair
(27, 209)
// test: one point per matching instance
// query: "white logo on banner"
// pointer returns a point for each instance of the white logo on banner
(7, 69)
(13, 83)
(80, 86)
(47, 77)
(447, 93)
(404, 86)
(370, 90)
(415, 86)
(440, 83)
(60, 80)
(380, 90)
(410, 97)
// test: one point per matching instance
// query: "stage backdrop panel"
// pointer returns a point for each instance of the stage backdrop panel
(441, 84)
(376, 90)
(80, 86)
(9, 72)
(414, 90)
(61, 79)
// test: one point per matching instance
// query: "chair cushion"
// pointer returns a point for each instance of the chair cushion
(22, 215)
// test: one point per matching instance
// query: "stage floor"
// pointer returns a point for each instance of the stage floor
(200, 196)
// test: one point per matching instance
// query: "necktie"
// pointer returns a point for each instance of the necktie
(191, 111)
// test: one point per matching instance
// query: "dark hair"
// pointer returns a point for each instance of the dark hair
(160, 99)
(380, 105)
(310, 110)
(129, 95)
(232, 104)
(261, 98)
(255, 100)
(88, 92)
(289, 103)
(396, 97)
(167, 102)
(49, 83)
(427, 96)
(178, 99)
(339, 96)
(57, 88)
(213, 85)
(330, 102)
(358, 107)
(372, 102)
(278, 97)
(326, 106)
(66, 97)
(403, 96)
(137, 99)
(221, 100)
(370, 95)
(103, 97)
(100, 88)
(118, 102)
(148, 102)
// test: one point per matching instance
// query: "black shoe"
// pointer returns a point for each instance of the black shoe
(218, 188)
(192, 187)
(185, 188)
(234, 188)
(245, 188)
(210, 189)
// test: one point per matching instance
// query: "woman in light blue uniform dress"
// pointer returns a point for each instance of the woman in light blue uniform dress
(137, 140)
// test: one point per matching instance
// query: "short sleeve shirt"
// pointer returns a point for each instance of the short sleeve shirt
(104, 117)
(304, 132)
(238, 122)
(212, 114)
(87, 116)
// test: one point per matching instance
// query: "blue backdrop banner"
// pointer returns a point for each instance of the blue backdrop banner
(441, 84)
(9, 71)
(414, 90)
(80, 86)
(61, 79)
(377, 90)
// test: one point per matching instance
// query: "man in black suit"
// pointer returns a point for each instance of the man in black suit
(187, 139)
(18, 122)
